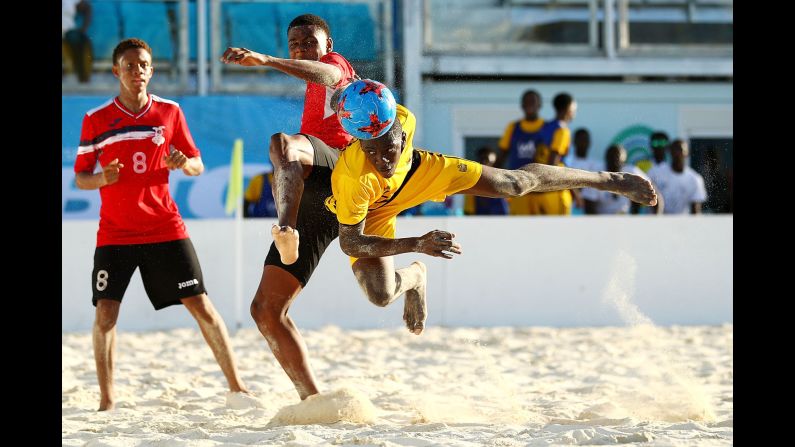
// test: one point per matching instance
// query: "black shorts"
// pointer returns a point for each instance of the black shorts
(317, 226)
(170, 271)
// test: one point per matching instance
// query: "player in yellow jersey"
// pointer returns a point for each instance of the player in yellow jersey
(376, 179)
(554, 145)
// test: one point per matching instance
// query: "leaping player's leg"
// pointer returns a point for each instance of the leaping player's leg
(281, 284)
(382, 285)
(277, 290)
(292, 157)
(535, 177)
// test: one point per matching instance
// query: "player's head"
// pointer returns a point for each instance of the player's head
(565, 106)
(615, 158)
(679, 152)
(486, 156)
(132, 64)
(384, 152)
(582, 141)
(658, 140)
(309, 38)
(531, 103)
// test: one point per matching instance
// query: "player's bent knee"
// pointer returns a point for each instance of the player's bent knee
(265, 313)
(278, 145)
(280, 148)
(380, 298)
(519, 183)
(105, 323)
(258, 311)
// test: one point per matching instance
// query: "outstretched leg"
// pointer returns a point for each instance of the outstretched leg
(214, 331)
(536, 177)
(292, 157)
(277, 290)
(104, 339)
(382, 285)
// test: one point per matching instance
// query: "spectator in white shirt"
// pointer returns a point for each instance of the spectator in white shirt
(681, 187)
(580, 160)
(606, 202)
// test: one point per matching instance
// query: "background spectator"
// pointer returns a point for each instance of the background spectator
(608, 202)
(580, 160)
(681, 187)
(518, 143)
(258, 199)
(485, 206)
(76, 47)
(554, 145)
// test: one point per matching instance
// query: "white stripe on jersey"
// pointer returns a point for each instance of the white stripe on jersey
(167, 101)
(327, 110)
(140, 135)
(96, 109)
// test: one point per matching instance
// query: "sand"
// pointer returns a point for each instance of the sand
(449, 386)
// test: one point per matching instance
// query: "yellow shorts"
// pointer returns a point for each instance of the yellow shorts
(542, 203)
(437, 176)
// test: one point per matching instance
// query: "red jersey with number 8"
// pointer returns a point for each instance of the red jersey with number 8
(138, 208)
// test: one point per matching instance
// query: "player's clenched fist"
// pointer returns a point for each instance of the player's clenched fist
(111, 171)
(175, 160)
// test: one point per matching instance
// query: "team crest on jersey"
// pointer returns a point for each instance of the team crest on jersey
(462, 167)
(527, 149)
(159, 139)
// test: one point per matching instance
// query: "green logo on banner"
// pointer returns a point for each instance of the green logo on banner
(635, 140)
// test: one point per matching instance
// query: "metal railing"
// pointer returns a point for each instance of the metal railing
(188, 37)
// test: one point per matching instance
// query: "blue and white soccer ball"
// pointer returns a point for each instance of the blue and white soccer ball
(366, 109)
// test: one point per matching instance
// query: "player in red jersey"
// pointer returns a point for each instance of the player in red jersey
(137, 138)
(312, 59)
(302, 166)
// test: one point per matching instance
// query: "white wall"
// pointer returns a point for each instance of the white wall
(548, 271)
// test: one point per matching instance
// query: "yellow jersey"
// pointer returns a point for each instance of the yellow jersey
(360, 192)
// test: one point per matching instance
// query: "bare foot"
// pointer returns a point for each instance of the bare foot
(636, 188)
(106, 405)
(286, 240)
(415, 310)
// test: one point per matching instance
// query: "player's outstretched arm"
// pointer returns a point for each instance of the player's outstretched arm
(310, 71)
(436, 243)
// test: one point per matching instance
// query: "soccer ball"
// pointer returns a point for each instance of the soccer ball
(366, 109)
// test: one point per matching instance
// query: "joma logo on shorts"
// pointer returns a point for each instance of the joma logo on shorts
(188, 283)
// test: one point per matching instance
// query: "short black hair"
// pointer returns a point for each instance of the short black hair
(581, 131)
(531, 92)
(310, 19)
(128, 44)
(659, 135)
(678, 144)
(396, 130)
(562, 101)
